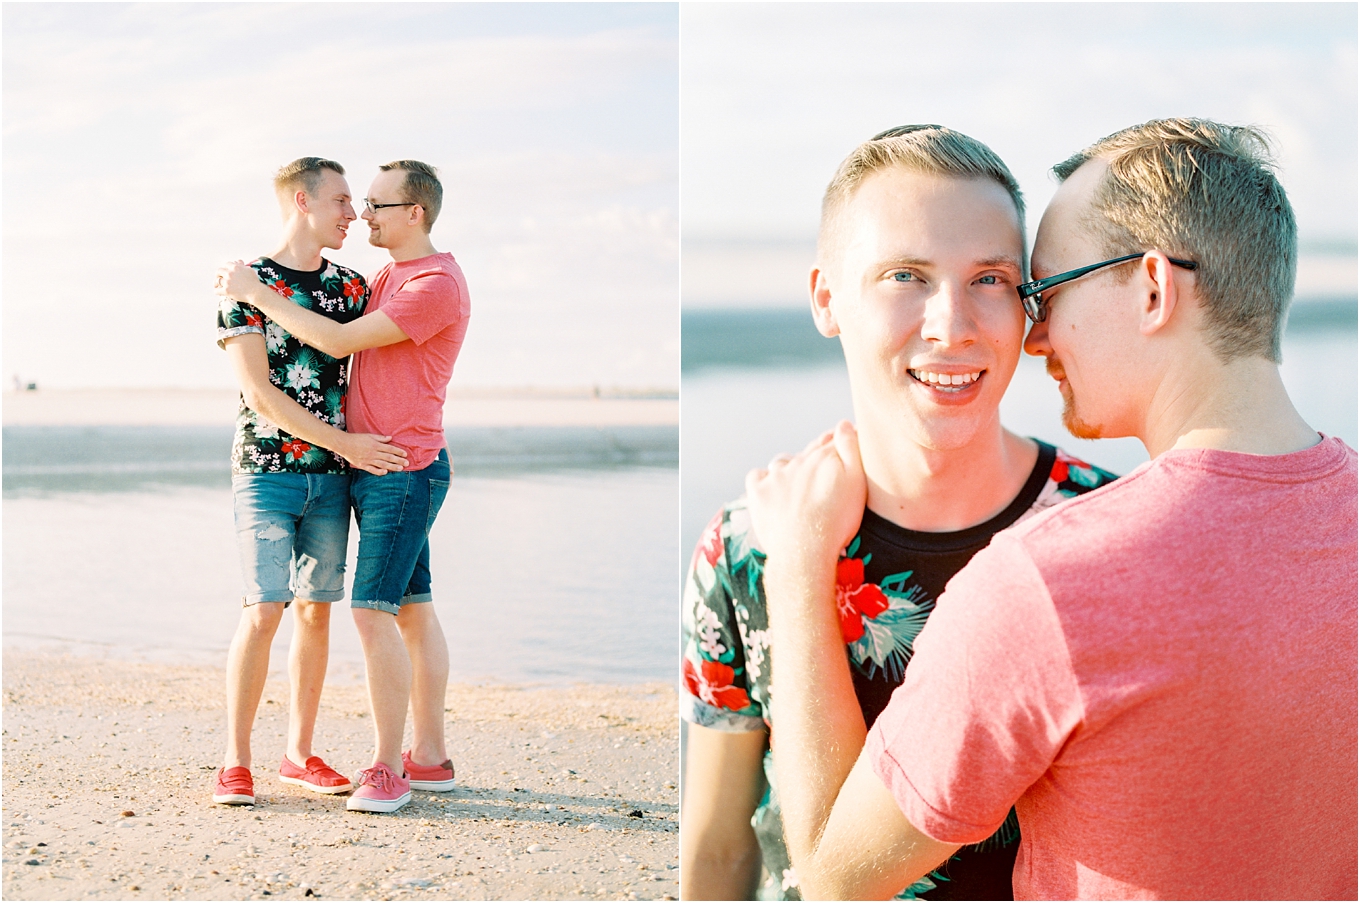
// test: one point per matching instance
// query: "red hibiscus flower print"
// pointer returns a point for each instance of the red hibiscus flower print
(354, 289)
(254, 319)
(710, 543)
(854, 598)
(1063, 463)
(712, 683)
(282, 288)
(295, 449)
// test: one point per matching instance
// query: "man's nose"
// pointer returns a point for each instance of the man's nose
(948, 317)
(1036, 343)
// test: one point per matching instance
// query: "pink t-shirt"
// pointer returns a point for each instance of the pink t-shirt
(398, 390)
(1160, 676)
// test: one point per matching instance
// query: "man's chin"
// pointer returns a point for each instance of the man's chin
(1075, 425)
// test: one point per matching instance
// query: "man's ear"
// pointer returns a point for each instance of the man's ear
(1159, 295)
(300, 200)
(415, 215)
(822, 314)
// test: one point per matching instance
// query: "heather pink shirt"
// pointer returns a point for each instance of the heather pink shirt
(398, 390)
(1161, 676)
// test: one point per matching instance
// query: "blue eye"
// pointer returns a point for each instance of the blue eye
(988, 280)
(904, 277)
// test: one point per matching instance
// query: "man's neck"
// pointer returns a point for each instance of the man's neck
(416, 247)
(300, 251)
(944, 490)
(1239, 406)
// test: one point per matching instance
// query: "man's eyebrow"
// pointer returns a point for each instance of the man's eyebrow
(1000, 260)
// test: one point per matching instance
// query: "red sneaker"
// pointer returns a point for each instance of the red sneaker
(379, 791)
(316, 776)
(234, 787)
(428, 777)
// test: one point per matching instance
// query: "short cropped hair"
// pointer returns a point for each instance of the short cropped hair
(931, 149)
(1205, 191)
(304, 173)
(421, 187)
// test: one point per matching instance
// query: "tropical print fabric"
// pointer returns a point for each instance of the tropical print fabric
(310, 377)
(887, 581)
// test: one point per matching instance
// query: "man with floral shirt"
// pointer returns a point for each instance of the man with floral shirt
(289, 474)
(407, 342)
(921, 247)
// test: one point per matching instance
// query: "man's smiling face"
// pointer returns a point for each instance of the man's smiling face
(922, 284)
(330, 209)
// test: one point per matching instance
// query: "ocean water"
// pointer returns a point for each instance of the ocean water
(553, 556)
(756, 383)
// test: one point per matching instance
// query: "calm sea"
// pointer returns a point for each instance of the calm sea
(758, 382)
(553, 557)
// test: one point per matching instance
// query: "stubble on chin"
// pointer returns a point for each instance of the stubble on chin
(1075, 425)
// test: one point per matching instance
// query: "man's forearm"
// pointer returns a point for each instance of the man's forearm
(312, 328)
(819, 729)
(275, 406)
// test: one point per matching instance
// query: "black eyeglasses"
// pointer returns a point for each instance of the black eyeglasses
(902, 130)
(1032, 293)
(373, 208)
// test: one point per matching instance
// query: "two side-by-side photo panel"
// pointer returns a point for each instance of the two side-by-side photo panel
(655, 451)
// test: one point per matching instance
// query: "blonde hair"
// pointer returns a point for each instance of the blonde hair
(421, 187)
(931, 149)
(304, 173)
(1205, 191)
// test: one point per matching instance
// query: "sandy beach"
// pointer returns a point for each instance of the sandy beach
(564, 793)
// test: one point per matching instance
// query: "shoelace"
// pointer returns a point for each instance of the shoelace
(378, 776)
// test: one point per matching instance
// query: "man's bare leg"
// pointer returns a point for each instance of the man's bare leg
(389, 682)
(307, 658)
(247, 669)
(429, 655)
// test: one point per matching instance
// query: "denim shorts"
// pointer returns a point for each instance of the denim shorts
(395, 512)
(292, 530)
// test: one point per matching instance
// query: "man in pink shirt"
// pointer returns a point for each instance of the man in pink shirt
(1160, 675)
(404, 350)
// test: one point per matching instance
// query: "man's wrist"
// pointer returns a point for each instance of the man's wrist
(799, 579)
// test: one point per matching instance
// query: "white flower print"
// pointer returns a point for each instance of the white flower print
(300, 377)
(264, 429)
(274, 336)
(709, 634)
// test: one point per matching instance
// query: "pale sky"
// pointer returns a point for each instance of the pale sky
(140, 140)
(775, 95)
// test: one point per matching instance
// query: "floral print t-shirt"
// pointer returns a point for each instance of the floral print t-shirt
(887, 581)
(310, 377)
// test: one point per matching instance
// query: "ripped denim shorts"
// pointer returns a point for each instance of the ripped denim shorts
(292, 530)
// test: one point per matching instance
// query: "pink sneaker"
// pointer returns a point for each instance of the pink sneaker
(235, 787)
(316, 776)
(428, 777)
(379, 791)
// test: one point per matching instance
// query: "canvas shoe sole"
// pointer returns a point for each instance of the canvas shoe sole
(368, 804)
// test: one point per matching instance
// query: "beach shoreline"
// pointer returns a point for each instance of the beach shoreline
(217, 407)
(564, 793)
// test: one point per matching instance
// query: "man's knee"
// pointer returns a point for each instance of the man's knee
(372, 622)
(263, 617)
(312, 615)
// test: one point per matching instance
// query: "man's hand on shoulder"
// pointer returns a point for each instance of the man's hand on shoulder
(809, 506)
(371, 452)
(237, 280)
